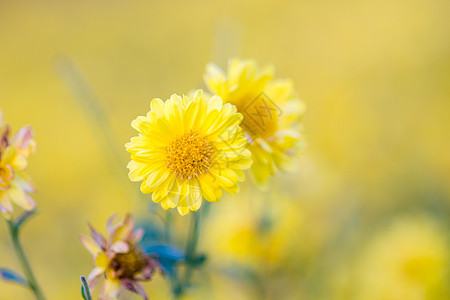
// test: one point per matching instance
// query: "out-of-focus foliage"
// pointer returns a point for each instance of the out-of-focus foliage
(371, 190)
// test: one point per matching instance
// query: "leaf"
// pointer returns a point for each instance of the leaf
(11, 276)
(85, 292)
(166, 251)
(168, 256)
(23, 218)
(198, 260)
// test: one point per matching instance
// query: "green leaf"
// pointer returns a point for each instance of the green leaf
(85, 292)
(23, 218)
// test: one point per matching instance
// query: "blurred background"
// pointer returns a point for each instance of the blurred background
(366, 216)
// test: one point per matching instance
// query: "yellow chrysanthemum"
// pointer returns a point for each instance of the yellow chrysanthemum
(189, 148)
(272, 113)
(15, 185)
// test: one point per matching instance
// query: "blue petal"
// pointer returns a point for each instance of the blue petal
(11, 276)
(165, 252)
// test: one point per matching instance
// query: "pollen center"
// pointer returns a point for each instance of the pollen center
(260, 118)
(189, 155)
(126, 265)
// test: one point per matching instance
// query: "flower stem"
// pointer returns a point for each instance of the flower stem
(168, 228)
(191, 246)
(32, 283)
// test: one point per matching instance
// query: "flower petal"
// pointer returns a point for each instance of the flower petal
(102, 261)
(89, 244)
(111, 288)
(94, 276)
(20, 197)
(194, 196)
(156, 177)
(120, 247)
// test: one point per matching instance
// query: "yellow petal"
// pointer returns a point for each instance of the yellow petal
(232, 190)
(165, 204)
(138, 170)
(96, 272)
(145, 189)
(183, 210)
(207, 190)
(21, 198)
(157, 106)
(156, 177)
(215, 102)
(174, 195)
(89, 244)
(194, 196)
(111, 288)
(5, 205)
(182, 207)
(19, 162)
(225, 177)
(101, 260)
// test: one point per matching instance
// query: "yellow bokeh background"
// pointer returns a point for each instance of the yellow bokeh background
(375, 78)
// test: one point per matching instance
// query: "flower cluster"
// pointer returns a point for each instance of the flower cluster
(192, 147)
(15, 184)
(119, 258)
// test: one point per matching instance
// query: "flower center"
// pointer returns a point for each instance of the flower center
(260, 118)
(189, 155)
(126, 265)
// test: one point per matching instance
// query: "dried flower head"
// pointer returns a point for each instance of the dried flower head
(119, 258)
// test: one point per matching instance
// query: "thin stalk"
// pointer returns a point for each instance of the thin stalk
(168, 227)
(32, 283)
(86, 98)
(191, 246)
(177, 287)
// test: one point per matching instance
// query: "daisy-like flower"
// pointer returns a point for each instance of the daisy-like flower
(15, 185)
(190, 147)
(271, 110)
(119, 259)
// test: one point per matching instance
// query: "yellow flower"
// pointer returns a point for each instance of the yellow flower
(15, 185)
(260, 240)
(190, 147)
(272, 114)
(119, 259)
(408, 260)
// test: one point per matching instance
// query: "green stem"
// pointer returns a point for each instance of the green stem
(191, 246)
(32, 283)
(168, 228)
(177, 287)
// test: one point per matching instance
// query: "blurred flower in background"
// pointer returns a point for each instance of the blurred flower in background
(271, 110)
(15, 184)
(259, 248)
(407, 260)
